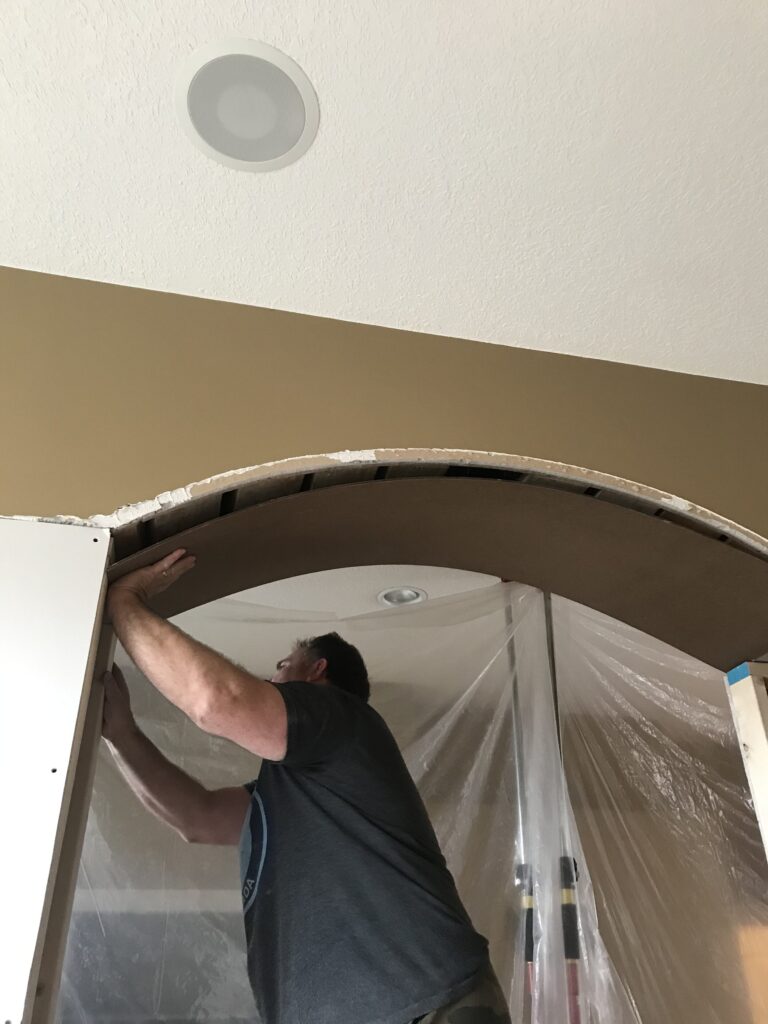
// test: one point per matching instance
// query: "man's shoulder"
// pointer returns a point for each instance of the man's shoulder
(324, 722)
(327, 692)
(357, 715)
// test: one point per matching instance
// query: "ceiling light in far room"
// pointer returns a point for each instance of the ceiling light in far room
(398, 596)
(247, 105)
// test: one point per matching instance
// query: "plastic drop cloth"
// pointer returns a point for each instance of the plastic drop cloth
(669, 908)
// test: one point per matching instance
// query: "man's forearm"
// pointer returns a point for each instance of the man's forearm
(189, 674)
(172, 795)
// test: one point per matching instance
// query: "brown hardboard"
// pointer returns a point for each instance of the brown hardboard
(698, 594)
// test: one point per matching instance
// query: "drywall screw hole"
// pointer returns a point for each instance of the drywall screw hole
(95, 540)
(54, 769)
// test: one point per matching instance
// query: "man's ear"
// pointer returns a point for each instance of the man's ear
(318, 670)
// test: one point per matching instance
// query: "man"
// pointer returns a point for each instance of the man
(351, 915)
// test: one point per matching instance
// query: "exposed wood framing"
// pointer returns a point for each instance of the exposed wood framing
(747, 687)
(255, 484)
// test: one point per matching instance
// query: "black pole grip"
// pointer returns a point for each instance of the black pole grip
(524, 879)
(568, 876)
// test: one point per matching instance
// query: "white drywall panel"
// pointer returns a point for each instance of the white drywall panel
(50, 597)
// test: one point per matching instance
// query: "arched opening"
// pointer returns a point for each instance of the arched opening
(648, 560)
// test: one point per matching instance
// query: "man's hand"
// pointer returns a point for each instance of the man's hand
(118, 719)
(142, 584)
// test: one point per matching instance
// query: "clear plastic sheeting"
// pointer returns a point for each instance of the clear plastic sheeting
(635, 891)
(666, 822)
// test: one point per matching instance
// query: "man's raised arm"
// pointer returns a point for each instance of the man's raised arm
(218, 696)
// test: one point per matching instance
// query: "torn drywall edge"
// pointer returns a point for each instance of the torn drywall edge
(232, 479)
(126, 514)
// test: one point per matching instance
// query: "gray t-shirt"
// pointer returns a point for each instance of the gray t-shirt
(351, 915)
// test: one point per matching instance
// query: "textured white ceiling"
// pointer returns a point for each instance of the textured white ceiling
(580, 177)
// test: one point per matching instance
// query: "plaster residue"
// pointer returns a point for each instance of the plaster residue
(142, 509)
(367, 455)
(121, 516)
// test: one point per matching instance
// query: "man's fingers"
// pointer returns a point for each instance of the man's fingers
(114, 682)
(173, 566)
(119, 678)
(179, 568)
(174, 560)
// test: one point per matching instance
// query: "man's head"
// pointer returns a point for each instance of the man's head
(326, 659)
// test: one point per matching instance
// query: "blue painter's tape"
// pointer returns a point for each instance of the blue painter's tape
(740, 672)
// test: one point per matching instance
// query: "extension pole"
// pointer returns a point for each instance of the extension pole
(523, 873)
(568, 871)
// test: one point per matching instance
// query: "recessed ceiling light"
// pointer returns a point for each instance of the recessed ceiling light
(399, 596)
(247, 105)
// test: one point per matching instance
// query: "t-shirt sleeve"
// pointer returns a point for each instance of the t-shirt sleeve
(321, 720)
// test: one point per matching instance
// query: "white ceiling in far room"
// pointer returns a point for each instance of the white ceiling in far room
(577, 178)
(354, 590)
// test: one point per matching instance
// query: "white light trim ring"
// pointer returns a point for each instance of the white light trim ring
(202, 58)
(397, 597)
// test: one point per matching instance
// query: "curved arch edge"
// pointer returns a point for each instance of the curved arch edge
(557, 472)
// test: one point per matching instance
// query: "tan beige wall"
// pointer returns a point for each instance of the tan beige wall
(110, 395)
